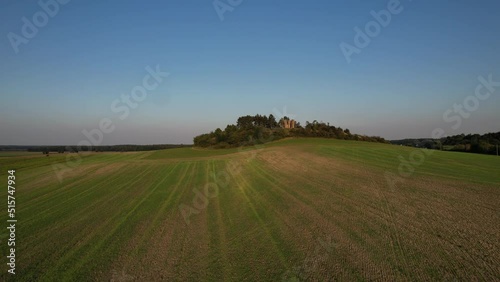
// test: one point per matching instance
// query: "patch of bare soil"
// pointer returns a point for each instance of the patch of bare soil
(426, 228)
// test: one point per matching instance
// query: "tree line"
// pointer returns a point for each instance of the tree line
(105, 148)
(471, 143)
(258, 129)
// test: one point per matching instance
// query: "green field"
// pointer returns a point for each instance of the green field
(296, 209)
(4, 154)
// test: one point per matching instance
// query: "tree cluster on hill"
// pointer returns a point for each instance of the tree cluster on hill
(472, 143)
(259, 129)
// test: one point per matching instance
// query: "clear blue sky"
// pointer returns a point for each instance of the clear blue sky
(264, 55)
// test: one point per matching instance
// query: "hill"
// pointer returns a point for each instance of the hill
(301, 208)
(260, 129)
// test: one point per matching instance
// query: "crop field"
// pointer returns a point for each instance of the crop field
(296, 209)
(4, 154)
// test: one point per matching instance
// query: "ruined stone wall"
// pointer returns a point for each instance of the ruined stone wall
(289, 123)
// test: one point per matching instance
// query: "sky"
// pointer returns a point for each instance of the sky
(239, 57)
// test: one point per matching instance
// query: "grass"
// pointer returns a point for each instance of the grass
(4, 154)
(314, 209)
(185, 153)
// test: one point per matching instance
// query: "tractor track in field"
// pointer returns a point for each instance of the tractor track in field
(53, 207)
(343, 236)
(63, 222)
(154, 256)
(79, 243)
(139, 243)
(177, 239)
(83, 172)
(396, 228)
(322, 186)
(62, 187)
(302, 208)
(224, 250)
(67, 189)
(394, 234)
(119, 214)
(83, 260)
(241, 180)
(52, 241)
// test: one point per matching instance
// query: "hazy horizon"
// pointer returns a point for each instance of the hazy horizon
(260, 58)
(191, 142)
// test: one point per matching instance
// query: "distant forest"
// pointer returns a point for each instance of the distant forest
(259, 129)
(471, 143)
(75, 149)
